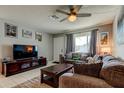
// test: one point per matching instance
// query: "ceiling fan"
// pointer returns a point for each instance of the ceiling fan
(73, 14)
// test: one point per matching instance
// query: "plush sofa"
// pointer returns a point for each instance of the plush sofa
(74, 57)
(106, 74)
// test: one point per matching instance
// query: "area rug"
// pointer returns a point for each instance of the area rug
(33, 83)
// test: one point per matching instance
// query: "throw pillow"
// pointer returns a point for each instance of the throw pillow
(94, 59)
(90, 60)
(76, 56)
(68, 56)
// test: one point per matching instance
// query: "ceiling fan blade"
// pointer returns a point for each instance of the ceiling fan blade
(64, 19)
(63, 12)
(84, 15)
(78, 7)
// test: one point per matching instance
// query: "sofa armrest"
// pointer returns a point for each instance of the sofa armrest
(113, 73)
(81, 81)
(92, 69)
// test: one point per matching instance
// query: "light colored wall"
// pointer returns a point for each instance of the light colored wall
(118, 50)
(44, 48)
(102, 28)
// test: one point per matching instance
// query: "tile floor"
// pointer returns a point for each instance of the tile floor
(11, 81)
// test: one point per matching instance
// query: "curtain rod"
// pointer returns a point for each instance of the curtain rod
(96, 29)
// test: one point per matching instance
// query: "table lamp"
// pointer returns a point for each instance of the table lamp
(105, 50)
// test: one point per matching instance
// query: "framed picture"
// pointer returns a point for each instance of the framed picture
(104, 38)
(38, 36)
(120, 31)
(10, 30)
(26, 33)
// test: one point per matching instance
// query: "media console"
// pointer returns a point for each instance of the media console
(21, 65)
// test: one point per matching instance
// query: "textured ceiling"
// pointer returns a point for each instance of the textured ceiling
(38, 16)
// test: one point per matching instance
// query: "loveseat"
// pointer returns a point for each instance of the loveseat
(74, 57)
(106, 74)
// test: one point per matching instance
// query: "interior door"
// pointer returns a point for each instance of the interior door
(58, 47)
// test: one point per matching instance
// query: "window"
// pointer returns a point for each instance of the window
(82, 42)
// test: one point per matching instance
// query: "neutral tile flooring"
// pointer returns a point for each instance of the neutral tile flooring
(11, 81)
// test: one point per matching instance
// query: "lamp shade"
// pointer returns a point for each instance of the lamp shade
(105, 50)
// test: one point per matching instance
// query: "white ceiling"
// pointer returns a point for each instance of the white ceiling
(38, 16)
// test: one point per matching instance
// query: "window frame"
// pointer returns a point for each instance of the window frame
(87, 34)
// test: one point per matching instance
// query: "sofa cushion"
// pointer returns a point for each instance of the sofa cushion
(81, 81)
(113, 73)
(92, 69)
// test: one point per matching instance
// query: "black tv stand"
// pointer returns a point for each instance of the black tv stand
(21, 65)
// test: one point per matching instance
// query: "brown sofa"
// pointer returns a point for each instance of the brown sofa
(108, 75)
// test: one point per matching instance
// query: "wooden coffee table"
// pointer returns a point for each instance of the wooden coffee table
(50, 75)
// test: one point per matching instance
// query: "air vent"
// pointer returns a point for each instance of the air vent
(54, 17)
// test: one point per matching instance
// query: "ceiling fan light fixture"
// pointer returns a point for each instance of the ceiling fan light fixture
(72, 18)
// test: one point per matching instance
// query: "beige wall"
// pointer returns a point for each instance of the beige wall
(118, 50)
(104, 28)
(44, 48)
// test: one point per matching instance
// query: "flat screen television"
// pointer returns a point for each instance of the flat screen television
(24, 51)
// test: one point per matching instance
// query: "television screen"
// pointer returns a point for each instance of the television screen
(24, 51)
